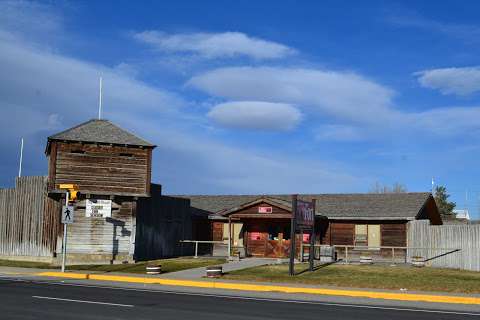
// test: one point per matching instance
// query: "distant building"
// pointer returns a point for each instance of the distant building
(461, 214)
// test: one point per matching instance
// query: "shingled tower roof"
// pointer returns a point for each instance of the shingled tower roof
(100, 131)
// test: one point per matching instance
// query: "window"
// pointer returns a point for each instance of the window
(361, 235)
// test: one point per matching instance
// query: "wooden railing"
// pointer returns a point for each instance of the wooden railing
(196, 242)
(394, 254)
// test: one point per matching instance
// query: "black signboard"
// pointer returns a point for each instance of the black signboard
(304, 215)
(303, 220)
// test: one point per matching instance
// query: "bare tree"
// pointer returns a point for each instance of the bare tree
(395, 188)
(399, 188)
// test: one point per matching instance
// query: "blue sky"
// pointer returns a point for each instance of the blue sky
(254, 97)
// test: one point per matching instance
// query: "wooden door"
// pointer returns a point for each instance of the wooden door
(374, 235)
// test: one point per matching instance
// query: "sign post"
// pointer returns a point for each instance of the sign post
(71, 194)
(311, 254)
(303, 218)
(64, 247)
(67, 218)
(291, 266)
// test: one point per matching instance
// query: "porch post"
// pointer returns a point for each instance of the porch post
(312, 239)
(229, 237)
(291, 265)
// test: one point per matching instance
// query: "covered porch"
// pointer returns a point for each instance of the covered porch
(259, 228)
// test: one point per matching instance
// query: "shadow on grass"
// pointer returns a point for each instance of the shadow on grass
(318, 267)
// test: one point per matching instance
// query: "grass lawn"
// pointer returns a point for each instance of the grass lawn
(373, 276)
(168, 265)
(25, 264)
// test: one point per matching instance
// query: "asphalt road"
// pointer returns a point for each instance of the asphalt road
(31, 300)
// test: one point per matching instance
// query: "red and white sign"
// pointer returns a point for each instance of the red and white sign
(306, 238)
(255, 236)
(265, 209)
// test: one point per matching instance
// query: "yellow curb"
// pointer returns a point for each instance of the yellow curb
(69, 275)
(274, 288)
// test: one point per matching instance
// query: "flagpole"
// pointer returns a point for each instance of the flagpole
(21, 160)
(100, 101)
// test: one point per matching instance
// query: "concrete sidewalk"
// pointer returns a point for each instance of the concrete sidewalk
(199, 273)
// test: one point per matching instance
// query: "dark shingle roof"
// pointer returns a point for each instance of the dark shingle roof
(100, 131)
(333, 206)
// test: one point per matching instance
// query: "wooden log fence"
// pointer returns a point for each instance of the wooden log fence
(28, 219)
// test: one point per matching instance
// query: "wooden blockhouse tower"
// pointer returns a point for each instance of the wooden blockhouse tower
(120, 216)
(112, 168)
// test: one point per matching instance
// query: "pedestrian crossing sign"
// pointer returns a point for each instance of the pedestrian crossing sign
(67, 214)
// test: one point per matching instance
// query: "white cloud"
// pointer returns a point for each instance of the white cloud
(28, 20)
(447, 121)
(214, 167)
(361, 108)
(256, 115)
(340, 94)
(458, 81)
(43, 93)
(336, 132)
(126, 69)
(62, 85)
(215, 45)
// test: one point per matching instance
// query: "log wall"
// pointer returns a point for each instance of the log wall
(148, 228)
(29, 220)
(101, 239)
(100, 169)
(393, 233)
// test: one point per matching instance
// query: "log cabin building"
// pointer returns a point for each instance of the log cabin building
(260, 225)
